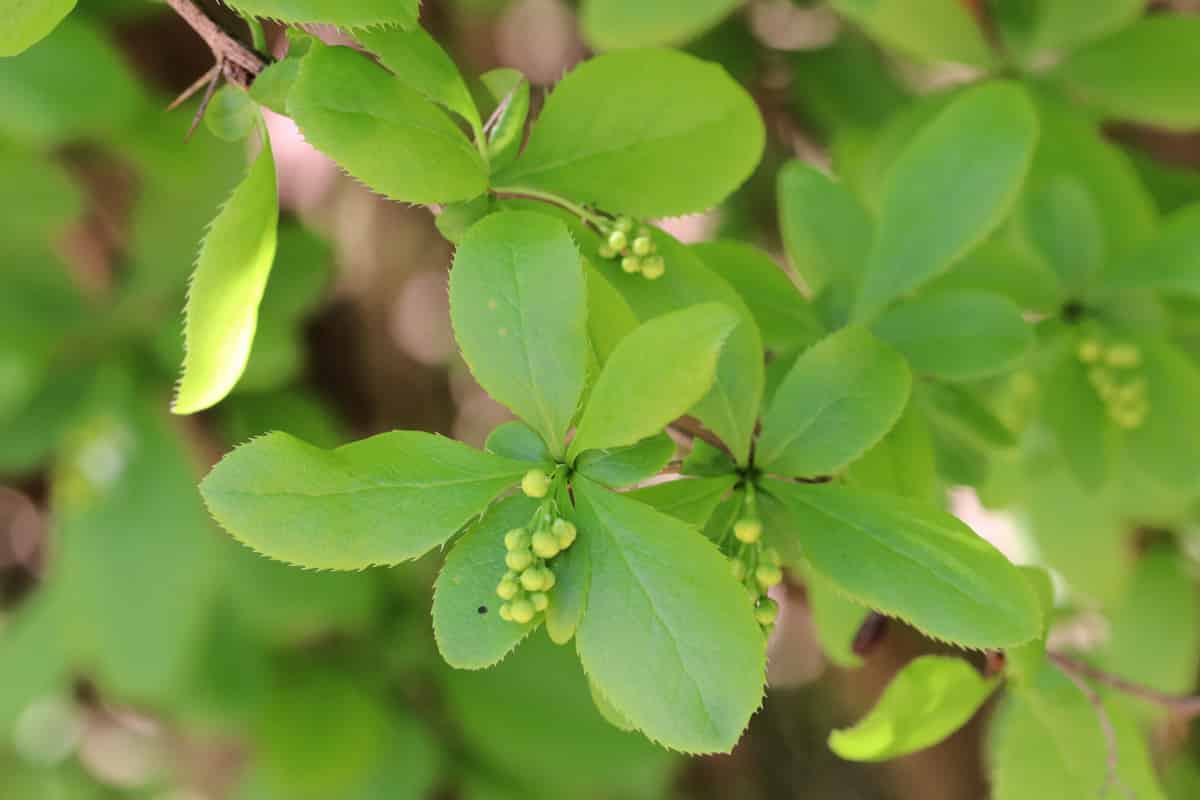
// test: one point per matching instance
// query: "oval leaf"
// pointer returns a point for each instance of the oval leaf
(381, 500)
(625, 466)
(343, 13)
(931, 698)
(28, 22)
(957, 335)
(227, 289)
(613, 24)
(948, 190)
(654, 376)
(519, 307)
(912, 561)
(931, 30)
(668, 635)
(841, 397)
(466, 611)
(381, 131)
(416, 58)
(610, 137)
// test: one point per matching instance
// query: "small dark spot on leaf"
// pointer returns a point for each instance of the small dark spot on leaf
(483, 609)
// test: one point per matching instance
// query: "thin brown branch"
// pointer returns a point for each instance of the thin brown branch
(200, 83)
(1183, 706)
(1112, 777)
(240, 63)
(215, 72)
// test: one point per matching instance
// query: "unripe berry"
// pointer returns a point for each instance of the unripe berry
(1089, 351)
(737, 568)
(522, 611)
(771, 556)
(653, 268)
(506, 612)
(535, 484)
(643, 246)
(766, 612)
(605, 251)
(531, 580)
(545, 544)
(1123, 356)
(540, 601)
(748, 530)
(617, 240)
(516, 539)
(631, 264)
(565, 532)
(507, 590)
(768, 575)
(548, 579)
(518, 560)
(624, 224)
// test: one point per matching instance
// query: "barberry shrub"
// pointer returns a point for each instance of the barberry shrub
(983, 289)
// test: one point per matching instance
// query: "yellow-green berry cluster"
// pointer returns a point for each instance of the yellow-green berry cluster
(754, 565)
(526, 585)
(1114, 372)
(635, 251)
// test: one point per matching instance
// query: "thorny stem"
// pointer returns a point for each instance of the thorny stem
(1184, 706)
(240, 64)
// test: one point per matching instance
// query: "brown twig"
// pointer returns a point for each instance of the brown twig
(1183, 706)
(239, 63)
(1112, 776)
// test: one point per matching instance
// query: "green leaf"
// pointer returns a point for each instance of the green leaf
(1060, 220)
(950, 188)
(958, 407)
(1164, 444)
(785, 319)
(1023, 662)
(26, 23)
(927, 700)
(508, 133)
(839, 399)
(825, 229)
(1048, 742)
(902, 462)
(607, 153)
(706, 461)
(912, 561)
(668, 635)
(518, 441)
(837, 620)
(1079, 421)
(519, 308)
(957, 335)
(931, 30)
(417, 60)
(614, 24)
(1153, 626)
(610, 319)
(1001, 267)
(382, 132)
(672, 359)
(1171, 261)
(625, 466)
(466, 611)
(573, 573)
(227, 287)
(692, 500)
(381, 500)
(1142, 73)
(1067, 24)
(273, 85)
(74, 84)
(343, 13)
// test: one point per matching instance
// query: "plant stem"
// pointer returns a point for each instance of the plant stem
(523, 193)
(240, 63)
(1185, 706)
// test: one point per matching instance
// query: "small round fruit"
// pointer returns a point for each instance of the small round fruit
(653, 268)
(507, 590)
(604, 251)
(1089, 351)
(643, 246)
(506, 612)
(631, 264)
(565, 531)
(548, 579)
(522, 611)
(535, 484)
(518, 560)
(748, 530)
(1123, 356)
(540, 601)
(624, 224)
(737, 568)
(771, 556)
(516, 539)
(531, 580)
(766, 612)
(617, 240)
(545, 544)
(768, 575)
